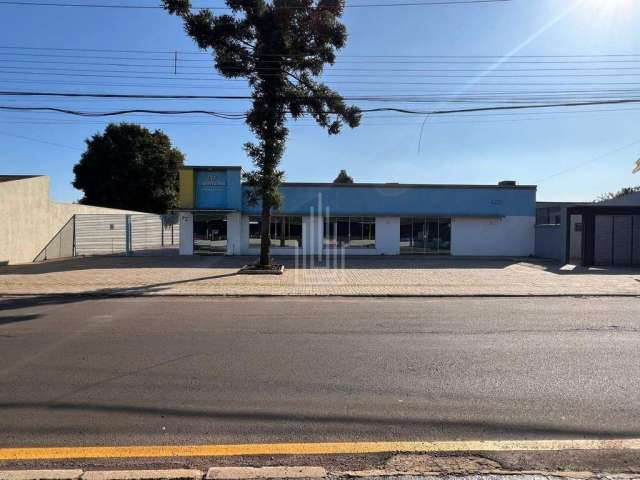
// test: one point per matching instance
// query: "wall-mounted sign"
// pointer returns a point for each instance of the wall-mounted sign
(206, 181)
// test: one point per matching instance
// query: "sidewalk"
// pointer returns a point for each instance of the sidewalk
(383, 276)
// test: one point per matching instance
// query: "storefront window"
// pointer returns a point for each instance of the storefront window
(350, 232)
(425, 235)
(284, 231)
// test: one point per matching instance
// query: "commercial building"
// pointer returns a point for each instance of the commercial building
(361, 218)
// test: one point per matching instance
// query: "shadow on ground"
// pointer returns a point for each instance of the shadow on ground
(253, 417)
(308, 262)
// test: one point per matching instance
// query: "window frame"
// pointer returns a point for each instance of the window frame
(277, 224)
(331, 236)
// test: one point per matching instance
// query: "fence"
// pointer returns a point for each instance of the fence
(114, 234)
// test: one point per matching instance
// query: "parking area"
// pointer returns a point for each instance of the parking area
(403, 275)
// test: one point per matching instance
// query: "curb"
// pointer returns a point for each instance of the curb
(310, 473)
(323, 296)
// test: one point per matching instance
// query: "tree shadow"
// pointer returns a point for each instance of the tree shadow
(28, 301)
(18, 318)
(365, 262)
(254, 418)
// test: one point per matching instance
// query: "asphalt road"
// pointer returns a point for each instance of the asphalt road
(197, 370)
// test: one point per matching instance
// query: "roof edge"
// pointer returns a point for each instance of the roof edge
(407, 185)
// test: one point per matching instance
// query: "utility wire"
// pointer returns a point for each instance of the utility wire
(156, 7)
(181, 52)
(367, 110)
(31, 139)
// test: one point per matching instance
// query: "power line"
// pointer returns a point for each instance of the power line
(368, 110)
(78, 73)
(217, 76)
(592, 160)
(182, 52)
(40, 141)
(156, 7)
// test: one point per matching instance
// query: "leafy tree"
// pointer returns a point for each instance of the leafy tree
(343, 177)
(129, 167)
(280, 48)
(620, 193)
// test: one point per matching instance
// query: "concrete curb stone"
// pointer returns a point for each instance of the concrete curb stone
(40, 474)
(174, 474)
(242, 473)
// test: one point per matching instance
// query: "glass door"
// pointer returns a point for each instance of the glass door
(425, 235)
(209, 234)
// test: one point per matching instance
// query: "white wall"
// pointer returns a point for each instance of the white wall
(30, 219)
(508, 236)
(388, 235)
(186, 233)
(234, 233)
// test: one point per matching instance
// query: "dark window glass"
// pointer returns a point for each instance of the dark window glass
(350, 232)
(425, 235)
(406, 234)
(284, 231)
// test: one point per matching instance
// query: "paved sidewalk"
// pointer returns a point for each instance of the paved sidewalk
(360, 276)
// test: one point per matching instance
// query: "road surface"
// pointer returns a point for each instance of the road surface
(155, 371)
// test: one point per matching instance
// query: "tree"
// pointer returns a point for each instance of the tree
(620, 193)
(280, 48)
(343, 177)
(129, 167)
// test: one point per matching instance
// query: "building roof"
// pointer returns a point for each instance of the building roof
(11, 178)
(630, 200)
(405, 185)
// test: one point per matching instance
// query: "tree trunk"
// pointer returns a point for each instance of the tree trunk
(265, 240)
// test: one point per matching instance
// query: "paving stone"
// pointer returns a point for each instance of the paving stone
(385, 276)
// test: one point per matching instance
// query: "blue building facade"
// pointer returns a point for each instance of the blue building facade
(362, 219)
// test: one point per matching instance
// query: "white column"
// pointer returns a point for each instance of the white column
(234, 233)
(388, 235)
(186, 233)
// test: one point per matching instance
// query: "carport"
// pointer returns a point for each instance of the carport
(610, 234)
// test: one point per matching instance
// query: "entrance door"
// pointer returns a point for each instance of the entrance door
(425, 235)
(209, 234)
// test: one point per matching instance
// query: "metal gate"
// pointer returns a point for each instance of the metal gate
(114, 234)
(617, 240)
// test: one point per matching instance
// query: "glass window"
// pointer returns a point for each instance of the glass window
(350, 232)
(425, 235)
(548, 216)
(255, 225)
(284, 231)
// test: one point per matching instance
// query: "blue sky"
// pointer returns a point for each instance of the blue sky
(571, 154)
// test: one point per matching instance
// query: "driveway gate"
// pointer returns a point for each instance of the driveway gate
(617, 240)
(112, 234)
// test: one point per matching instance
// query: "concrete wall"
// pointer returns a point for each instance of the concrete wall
(508, 236)
(549, 241)
(30, 219)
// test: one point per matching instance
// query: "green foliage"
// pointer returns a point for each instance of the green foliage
(280, 48)
(129, 167)
(620, 193)
(343, 177)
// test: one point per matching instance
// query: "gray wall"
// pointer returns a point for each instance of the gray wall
(550, 242)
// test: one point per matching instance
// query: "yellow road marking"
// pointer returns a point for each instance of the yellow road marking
(7, 454)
